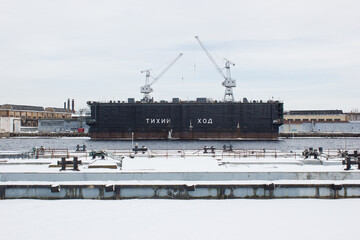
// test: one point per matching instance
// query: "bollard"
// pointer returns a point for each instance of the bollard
(76, 164)
(321, 150)
(205, 149)
(63, 164)
(348, 163)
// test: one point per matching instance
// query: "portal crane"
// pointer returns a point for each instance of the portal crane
(228, 82)
(146, 89)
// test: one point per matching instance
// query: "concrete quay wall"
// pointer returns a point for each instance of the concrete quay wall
(179, 191)
(177, 176)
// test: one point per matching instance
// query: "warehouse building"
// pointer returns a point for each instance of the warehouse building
(77, 124)
(30, 115)
(9, 124)
(322, 121)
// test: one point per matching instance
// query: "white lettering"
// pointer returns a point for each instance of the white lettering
(205, 121)
(158, 120)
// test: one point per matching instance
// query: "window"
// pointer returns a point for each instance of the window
(329, 120)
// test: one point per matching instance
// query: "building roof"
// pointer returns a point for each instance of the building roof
(58, 110)
(315, 112)
(14, 107)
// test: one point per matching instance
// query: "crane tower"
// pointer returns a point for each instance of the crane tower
(146, 89)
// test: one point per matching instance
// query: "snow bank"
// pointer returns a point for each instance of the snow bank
(179, 219)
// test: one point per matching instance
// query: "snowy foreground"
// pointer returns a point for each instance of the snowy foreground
(179, 219)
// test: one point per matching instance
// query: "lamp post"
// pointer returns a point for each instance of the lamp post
(132, 140)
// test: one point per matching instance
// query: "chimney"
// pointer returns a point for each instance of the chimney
(68, 106)
(64, 105)
(73, 106)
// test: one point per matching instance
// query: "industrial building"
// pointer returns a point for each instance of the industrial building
(321, 121)
(77, 124)
(24, 118)
(9, 124)
(30, 115)
(315, 116)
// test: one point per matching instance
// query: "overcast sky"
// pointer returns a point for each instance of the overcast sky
(304, 53)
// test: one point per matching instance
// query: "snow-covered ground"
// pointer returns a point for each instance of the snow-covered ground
(178, 164)
(180, 219)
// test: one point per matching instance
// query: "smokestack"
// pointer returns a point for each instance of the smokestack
(64, 105)
(68, 106)
(73, 105)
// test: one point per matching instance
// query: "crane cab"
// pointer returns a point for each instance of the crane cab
(229, 83)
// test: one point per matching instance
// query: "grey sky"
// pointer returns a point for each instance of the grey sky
(305, 53)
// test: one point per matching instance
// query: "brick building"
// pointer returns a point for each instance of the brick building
(30, 115)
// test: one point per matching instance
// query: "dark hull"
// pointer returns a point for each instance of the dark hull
(185, 121)
(223, 135)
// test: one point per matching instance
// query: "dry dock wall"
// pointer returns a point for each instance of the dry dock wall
(178, 191)
(180, 185)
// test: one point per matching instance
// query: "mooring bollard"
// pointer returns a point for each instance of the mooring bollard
(76, 164)
(353, 158)
(307, 153)
(348, 163)
(63, 164)
(80, 148)
(206, 149)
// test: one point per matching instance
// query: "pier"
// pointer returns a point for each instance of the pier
(210, 190)
(178, 174)
(47, 134)
(319, 134)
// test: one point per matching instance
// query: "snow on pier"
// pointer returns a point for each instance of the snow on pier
(191, 174)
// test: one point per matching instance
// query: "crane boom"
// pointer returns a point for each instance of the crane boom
(228, 82)
(165, 70)
(210, 57)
